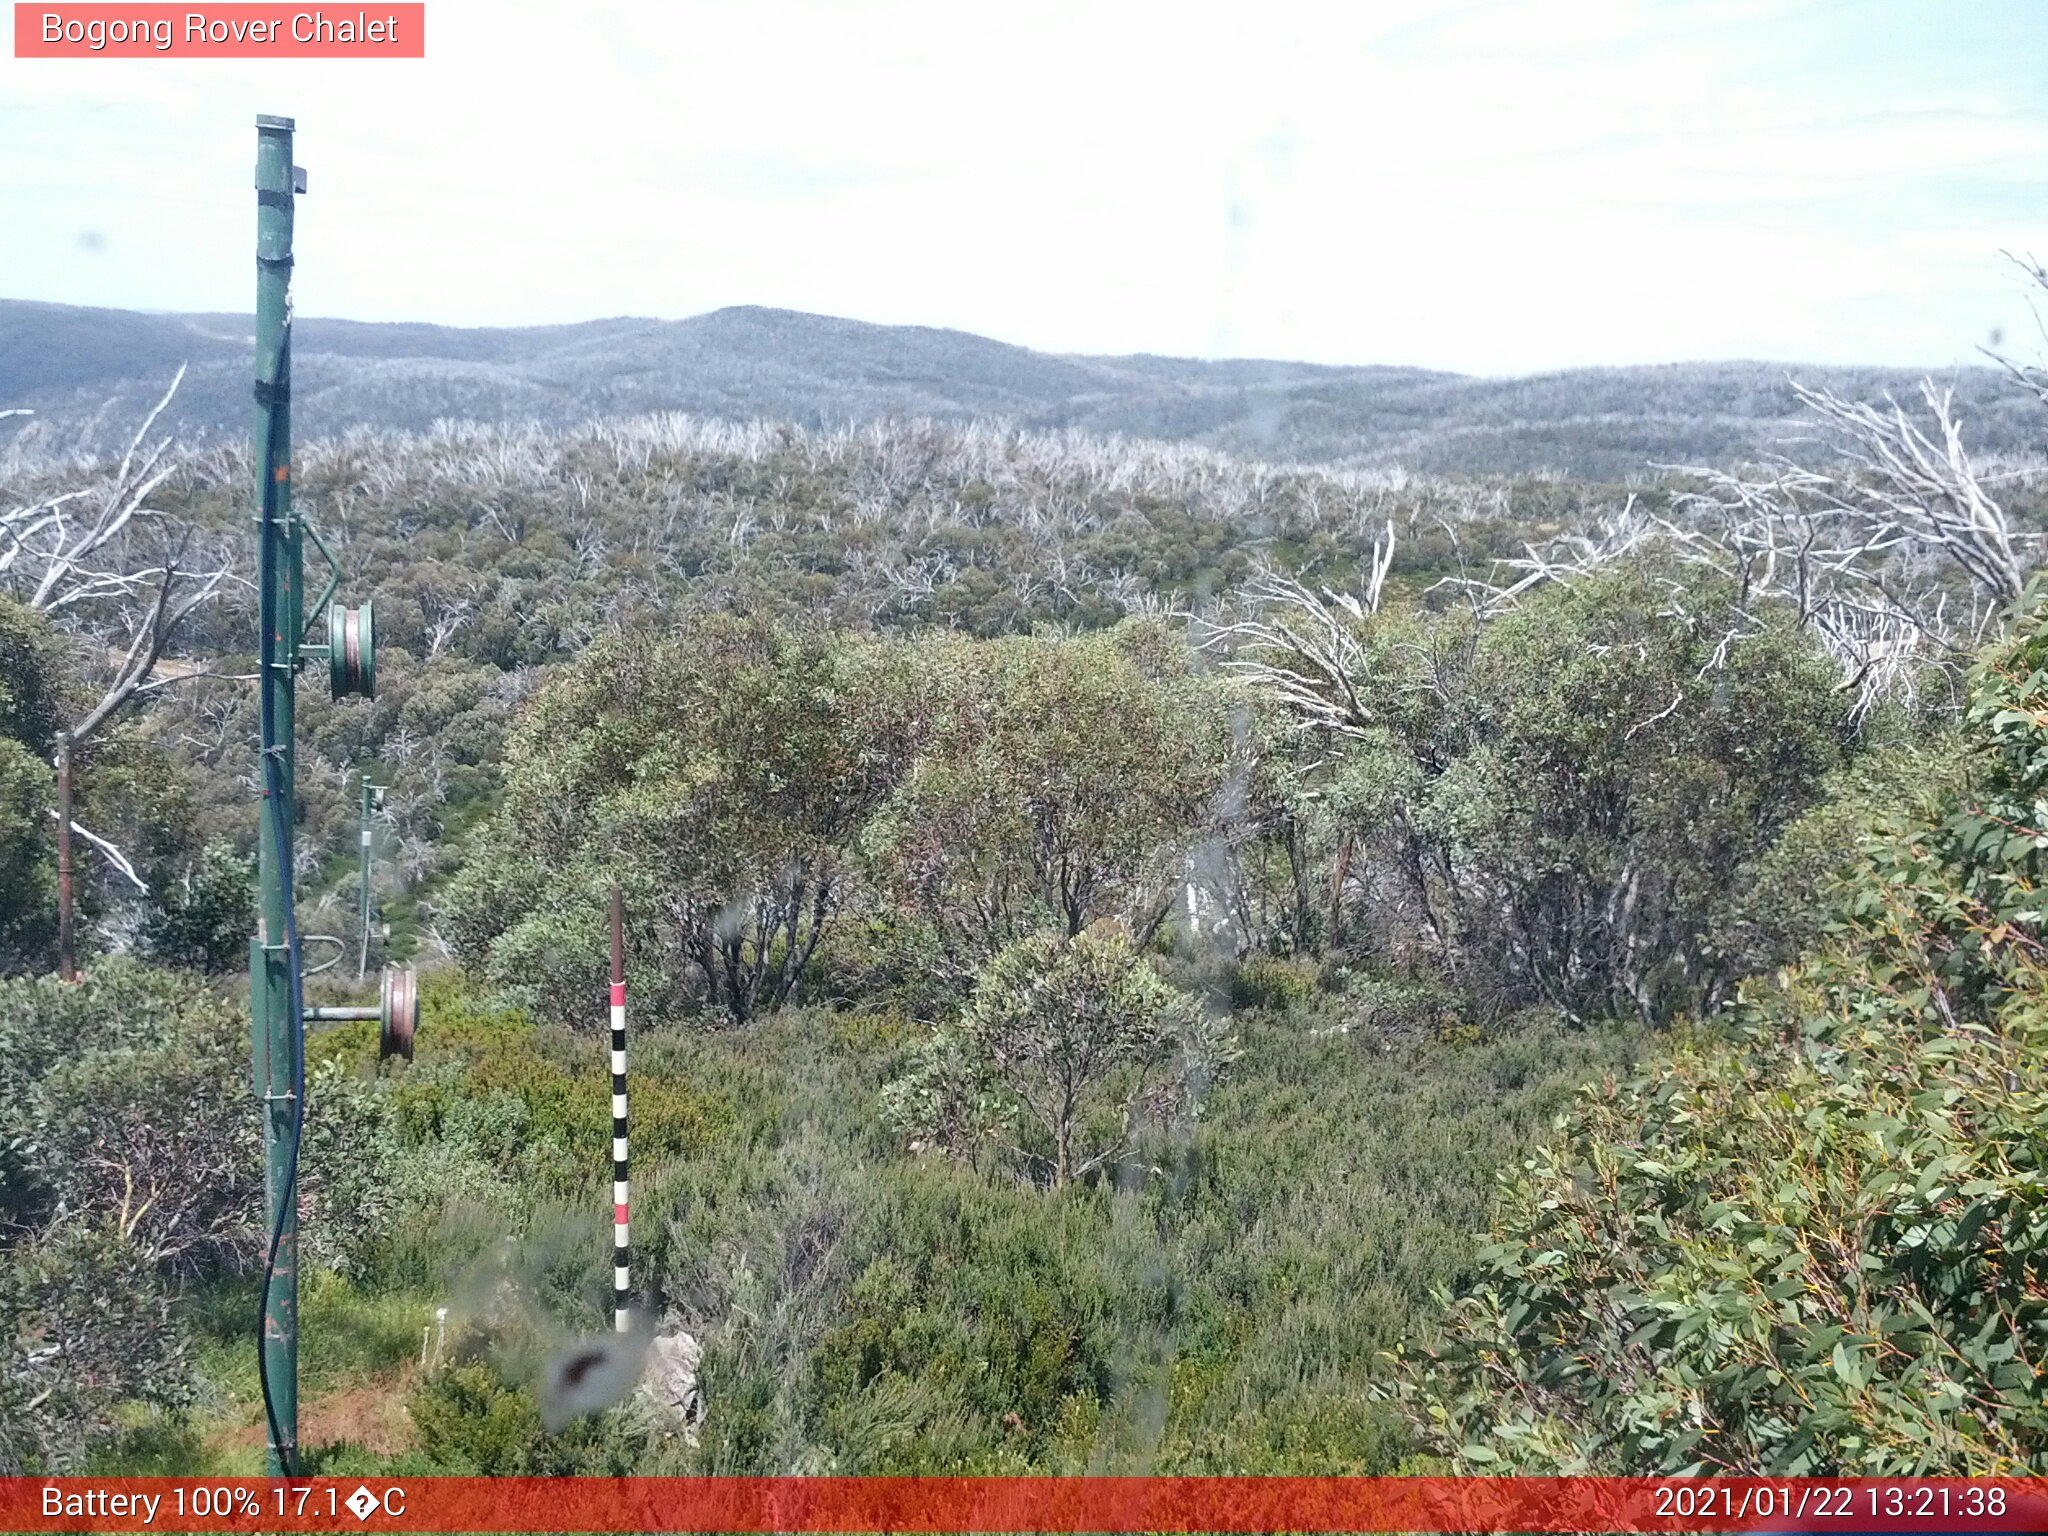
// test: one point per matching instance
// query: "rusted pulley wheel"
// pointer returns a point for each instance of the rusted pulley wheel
(401, 1013)
(352, 651)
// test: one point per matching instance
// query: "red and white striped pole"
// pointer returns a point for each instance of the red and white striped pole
(621, 1272)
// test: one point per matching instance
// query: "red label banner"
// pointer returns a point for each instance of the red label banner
(103, 31)
(1845, 1506)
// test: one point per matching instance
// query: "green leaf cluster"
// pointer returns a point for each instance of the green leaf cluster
(1816, 1242)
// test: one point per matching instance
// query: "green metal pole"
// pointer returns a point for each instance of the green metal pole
(279, 1030)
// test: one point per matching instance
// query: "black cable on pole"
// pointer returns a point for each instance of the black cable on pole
(280, 829)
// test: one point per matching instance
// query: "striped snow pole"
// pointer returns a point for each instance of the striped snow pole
(621, 1272)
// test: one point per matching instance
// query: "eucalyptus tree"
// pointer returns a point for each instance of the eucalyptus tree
(1048, 784)
(721, 773)
(1811, 1242)
(1067, 1049)
(1554, 795)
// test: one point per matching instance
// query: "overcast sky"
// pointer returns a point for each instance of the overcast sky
(1489, 187)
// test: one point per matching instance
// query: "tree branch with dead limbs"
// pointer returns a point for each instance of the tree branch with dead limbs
(51, 553)
(1836, 590)
(1317, 655)
(1855, 553)
(1905, 482)
(1677, 698)
(2033, 376)
(91, 571)
(170, 679)
(64, 565)
(1562, 559)
(150, 633)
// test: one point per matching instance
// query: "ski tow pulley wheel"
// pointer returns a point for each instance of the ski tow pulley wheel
(401, 1013)
(351, 651)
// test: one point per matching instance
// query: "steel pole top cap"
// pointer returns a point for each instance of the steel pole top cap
(265, 123)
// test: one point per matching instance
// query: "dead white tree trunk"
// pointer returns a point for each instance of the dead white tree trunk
(76, 556)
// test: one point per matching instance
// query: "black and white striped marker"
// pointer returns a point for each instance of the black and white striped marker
(621, 1261)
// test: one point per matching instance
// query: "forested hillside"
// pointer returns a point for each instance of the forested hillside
(1103, 920)
(818, 371)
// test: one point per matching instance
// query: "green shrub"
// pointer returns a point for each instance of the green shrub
(205, 919)
(474, 1423)
(1065, 1049)
(1818, 1241)
(353, 1171)
(126, 1099)
(1409, 1007)
(1273, 982)
(85, 1325)
(28, 865)
(1223, 1303)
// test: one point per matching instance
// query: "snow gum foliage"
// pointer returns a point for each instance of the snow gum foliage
(943, 847)
(1816, 1242)
(128, 1166)
(1066, 1047)
(720, 773)
(1048, 785)
(748, 780)
(1562, 805)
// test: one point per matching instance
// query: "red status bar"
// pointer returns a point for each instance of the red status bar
(1106, 1504)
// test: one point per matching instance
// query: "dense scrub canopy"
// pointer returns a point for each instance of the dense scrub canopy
(1816, 1243)
(744, 778)
(1048, 784)
(128, 1160)
(28, 728)
(960, 776)
(1641, 751)
(134, 803)
(720, 774)
(498, 553)
(1556, 805)
(1568, 804)
(1219, 1307)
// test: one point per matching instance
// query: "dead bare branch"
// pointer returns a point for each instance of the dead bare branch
(1305, 647)
(114, 855)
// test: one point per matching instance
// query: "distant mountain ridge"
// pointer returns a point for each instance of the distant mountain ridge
(89, 372)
